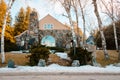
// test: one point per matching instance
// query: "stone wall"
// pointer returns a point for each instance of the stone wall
(62, 37)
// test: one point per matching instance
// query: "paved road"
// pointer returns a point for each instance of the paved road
(58, 76)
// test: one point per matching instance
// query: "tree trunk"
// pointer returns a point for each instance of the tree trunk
(101, 30)
(76, 13)
(83, 20)
(73, 33)
(114, 27)
(77, 20)
(67, 5)
(119, 54)
(3, 31)
(78, 42)
(113, 21)
(115, 35)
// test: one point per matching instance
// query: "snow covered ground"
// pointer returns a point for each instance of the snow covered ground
(62, 55)
(58, 68)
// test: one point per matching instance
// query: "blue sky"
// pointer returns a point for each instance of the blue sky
(43, 7)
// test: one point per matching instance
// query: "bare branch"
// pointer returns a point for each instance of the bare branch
(103, 2)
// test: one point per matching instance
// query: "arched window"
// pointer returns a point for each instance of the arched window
(48, 41)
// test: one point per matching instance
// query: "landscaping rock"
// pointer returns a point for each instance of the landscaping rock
(117, 65)
(75, 63)
(94, 62)
(11, 64)
(41, 63)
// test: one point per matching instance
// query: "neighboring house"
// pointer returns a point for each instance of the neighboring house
(90, 44)
(90, 40)
(48, 31)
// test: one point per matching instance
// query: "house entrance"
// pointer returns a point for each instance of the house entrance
(48, 41)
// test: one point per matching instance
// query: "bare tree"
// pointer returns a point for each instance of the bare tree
(3, 30)
(67, 5)
(100, 28)
(75, 6)
(83, 20)
(80, 7)
(110, 13)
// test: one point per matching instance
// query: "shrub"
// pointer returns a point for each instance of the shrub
(37, 46)
(9, 46)
(37, 53)
(81, 54)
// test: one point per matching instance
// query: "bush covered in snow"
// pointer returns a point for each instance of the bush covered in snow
(80, 54)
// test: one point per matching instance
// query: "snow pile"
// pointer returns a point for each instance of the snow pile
(62, 55)
(54, 65)
(58, 68)
(21, 51)
(16, 52)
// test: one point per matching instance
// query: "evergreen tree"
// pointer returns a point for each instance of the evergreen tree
(22, 21)
(109, 35)
(27, 16)
(19, 22)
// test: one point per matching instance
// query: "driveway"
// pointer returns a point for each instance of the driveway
(58, 76)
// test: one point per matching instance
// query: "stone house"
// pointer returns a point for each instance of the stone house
(48, 31)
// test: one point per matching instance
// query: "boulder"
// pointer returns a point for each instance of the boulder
(75, 63)
(11, 64)
(117, 64)
(41, 63)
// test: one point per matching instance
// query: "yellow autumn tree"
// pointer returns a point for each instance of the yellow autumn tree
(22, 21)
(3, 8)
(27, 16)
(9, 37)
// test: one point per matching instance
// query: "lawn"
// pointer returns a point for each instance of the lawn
(20, 59)
(113, 57)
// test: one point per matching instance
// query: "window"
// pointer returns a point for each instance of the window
(48, 26)
(48, 41)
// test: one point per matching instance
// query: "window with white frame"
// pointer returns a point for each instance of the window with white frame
(48, 26)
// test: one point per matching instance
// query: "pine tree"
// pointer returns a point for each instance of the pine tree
(22, 21)
(27, 16)
(19, 22)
